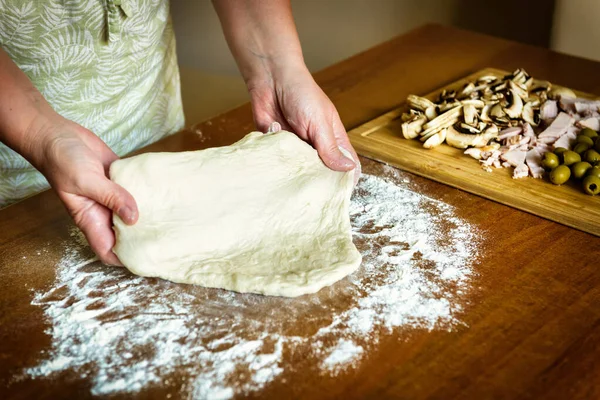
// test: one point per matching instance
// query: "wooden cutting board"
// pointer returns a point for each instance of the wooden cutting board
(381, 139)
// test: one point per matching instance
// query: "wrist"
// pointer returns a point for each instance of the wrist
(275, 69)
(38, 138)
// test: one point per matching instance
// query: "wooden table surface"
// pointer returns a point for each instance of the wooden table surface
(532, 324)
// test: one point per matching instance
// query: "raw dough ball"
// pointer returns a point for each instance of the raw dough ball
(264, 215)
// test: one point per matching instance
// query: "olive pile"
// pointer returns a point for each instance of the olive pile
(582, 163)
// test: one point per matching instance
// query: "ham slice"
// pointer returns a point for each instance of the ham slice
(521, 171)
(592, 123)
(514, 157)
(549, 110)
(474, 152)
(558, 127)
(492, 158)
(579, 105)
(533, 159)
(566, 141)
(509, 132)
(542, 148)
(547, 139)
(528, 130)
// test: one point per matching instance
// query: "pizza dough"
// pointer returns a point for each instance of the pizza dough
(264, 215)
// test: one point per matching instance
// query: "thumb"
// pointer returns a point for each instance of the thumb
(329, 151)
(115, 198)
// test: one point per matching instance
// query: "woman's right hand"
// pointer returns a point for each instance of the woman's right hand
(73, 159)
(76, 163)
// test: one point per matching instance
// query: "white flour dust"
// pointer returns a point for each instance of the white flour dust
(124, 333)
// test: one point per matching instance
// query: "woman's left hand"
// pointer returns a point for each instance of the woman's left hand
(292, 98)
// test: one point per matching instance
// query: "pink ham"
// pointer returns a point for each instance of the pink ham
(521, 171)
(566, 141)
(514, 157)
(549, 110)
(528, 130)
(592, 123)
(533, 159)
(509, 132)
(546, 140)
(558, 127)
(542, 148)
(579, 105)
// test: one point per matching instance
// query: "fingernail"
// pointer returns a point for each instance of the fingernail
(274, 127)
(350, 161)
(127, 214)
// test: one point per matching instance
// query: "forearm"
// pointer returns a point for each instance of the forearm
(24, 112)
(261, 35)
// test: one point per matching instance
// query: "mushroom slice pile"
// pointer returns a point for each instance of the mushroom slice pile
(480, 108)
(509, 121)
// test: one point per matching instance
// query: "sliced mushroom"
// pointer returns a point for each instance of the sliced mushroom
(436, 139)
(530, 115)
(443, 121)
(411, 129)
(497, 111)
(529, 83)
(463, 140)
(467, 90)
(487, 79)
(485, 113)
(448, 106)
(474, 102)
(469, 129)
(492, 130)
(515, 108)
(418, 102)
(431, 112)
(470, 114)
(540, 86)
(558, 92)
(519, 89)
(534, 99)
(407, 117)
(498, 87)
(519, 76)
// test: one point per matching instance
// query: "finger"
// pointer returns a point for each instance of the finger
(95, 221)
(266, 110)
(97, 228)
(326, 144)
(114, 197)
(264, 120)
(343, 141)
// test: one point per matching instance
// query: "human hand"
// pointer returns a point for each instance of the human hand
(76, 163)
(294, 99)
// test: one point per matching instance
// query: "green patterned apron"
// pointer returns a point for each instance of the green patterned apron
(109, 65)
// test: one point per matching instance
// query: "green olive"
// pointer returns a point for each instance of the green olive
(597, 145)
(581, 147)
(578, 170)
(550, 161)
(591, 185)
(570, 157)
(592, 156)
(559, 150)
(594, 171)
(585, 139)
(560, 175)
(588, 132)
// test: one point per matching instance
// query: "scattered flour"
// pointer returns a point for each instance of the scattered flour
(125, 333)
(342, 354)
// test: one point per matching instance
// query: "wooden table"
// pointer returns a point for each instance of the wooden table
(532, 326)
